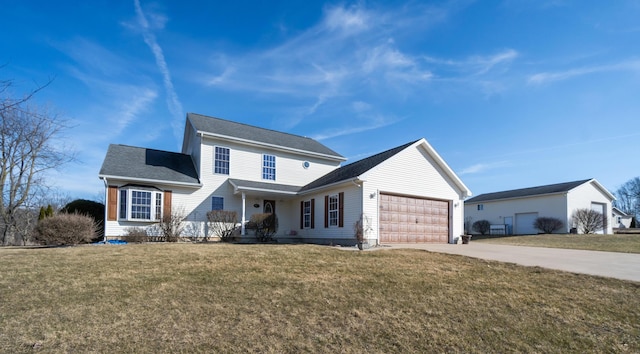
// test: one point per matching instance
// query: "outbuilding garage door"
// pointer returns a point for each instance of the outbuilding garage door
(409, 219)
(524, 224)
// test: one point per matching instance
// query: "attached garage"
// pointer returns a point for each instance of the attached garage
(524, 224)
(413, 219)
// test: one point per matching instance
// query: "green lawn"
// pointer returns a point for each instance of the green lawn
(609, 243)
(154, 298)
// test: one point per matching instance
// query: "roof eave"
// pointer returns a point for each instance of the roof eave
(272, 146)
(520, 197)
(357, 181)
(238, 188)
(149, 180)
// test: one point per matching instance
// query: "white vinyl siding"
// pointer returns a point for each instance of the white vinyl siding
(432, 183)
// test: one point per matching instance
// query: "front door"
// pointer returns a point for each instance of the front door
(269, 207)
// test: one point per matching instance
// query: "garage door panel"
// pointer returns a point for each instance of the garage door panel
(408, 219)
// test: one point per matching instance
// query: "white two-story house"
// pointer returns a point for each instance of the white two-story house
(405, 194)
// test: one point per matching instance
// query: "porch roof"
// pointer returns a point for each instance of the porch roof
(240, 185)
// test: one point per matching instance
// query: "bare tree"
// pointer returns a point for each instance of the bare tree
(548, 224)
(628, 197)
(588, 220)
(29, 149)
(222, 223)
(172, 225)
(481, 226)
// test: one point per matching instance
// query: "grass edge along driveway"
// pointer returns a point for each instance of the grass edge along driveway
(629, 243)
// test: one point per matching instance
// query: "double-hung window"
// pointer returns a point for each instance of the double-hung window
(333, 210)
(221, 161)
(140, 205)
(269, 167)
(306, 214)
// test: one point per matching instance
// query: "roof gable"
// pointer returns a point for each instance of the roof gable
(135, 163)
(251, 134)
(354, 169)
(528, 192)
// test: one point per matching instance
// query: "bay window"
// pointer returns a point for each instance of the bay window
(138, 204)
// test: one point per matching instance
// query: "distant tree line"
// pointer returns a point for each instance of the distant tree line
(628, 198)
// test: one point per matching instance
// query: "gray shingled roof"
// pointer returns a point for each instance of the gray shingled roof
(354, 169)
(248, 132)
(527, 192)
(141, 163)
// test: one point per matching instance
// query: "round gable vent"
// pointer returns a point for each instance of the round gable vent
(306, 164)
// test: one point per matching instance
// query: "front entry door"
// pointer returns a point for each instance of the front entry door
(269, 207)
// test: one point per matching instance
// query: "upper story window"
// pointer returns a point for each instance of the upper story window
(269, 167)
(140, 205)
(480, 207)
(221, 160)
(333, 210)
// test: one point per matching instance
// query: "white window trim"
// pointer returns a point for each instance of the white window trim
(217, 196)
(214, 160)
(153, 212)
(336, 210)
(305, 214)
(269, 167)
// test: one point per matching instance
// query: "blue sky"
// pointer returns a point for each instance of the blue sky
(512, 93)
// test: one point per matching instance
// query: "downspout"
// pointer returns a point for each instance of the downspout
(378, 217)
(244, 198)
(106, 209)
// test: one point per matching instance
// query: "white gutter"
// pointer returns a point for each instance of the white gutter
(356, 181)
(156, 181)
(238, 188)
(106, 209)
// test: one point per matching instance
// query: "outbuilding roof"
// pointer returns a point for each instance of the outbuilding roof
(528, 192)
(253, 134)
(142, 164)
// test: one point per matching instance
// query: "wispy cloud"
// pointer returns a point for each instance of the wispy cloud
(482, 167)
(474, 65)
(547, 77)
(352, 50)
(173, 102)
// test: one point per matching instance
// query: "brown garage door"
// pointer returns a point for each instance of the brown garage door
(409, 219)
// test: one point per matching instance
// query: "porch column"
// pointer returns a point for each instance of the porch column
(244, 197)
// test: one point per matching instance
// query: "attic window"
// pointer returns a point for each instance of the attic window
(480, 207)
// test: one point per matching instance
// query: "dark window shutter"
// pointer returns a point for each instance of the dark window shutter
(326, 211)
(167, 204)
(313, 209)
(341, 209)
(302, 215)
(112, 203)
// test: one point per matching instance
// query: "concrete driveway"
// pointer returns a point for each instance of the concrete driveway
(624, 266)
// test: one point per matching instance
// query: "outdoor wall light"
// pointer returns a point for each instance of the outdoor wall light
(256, 205)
